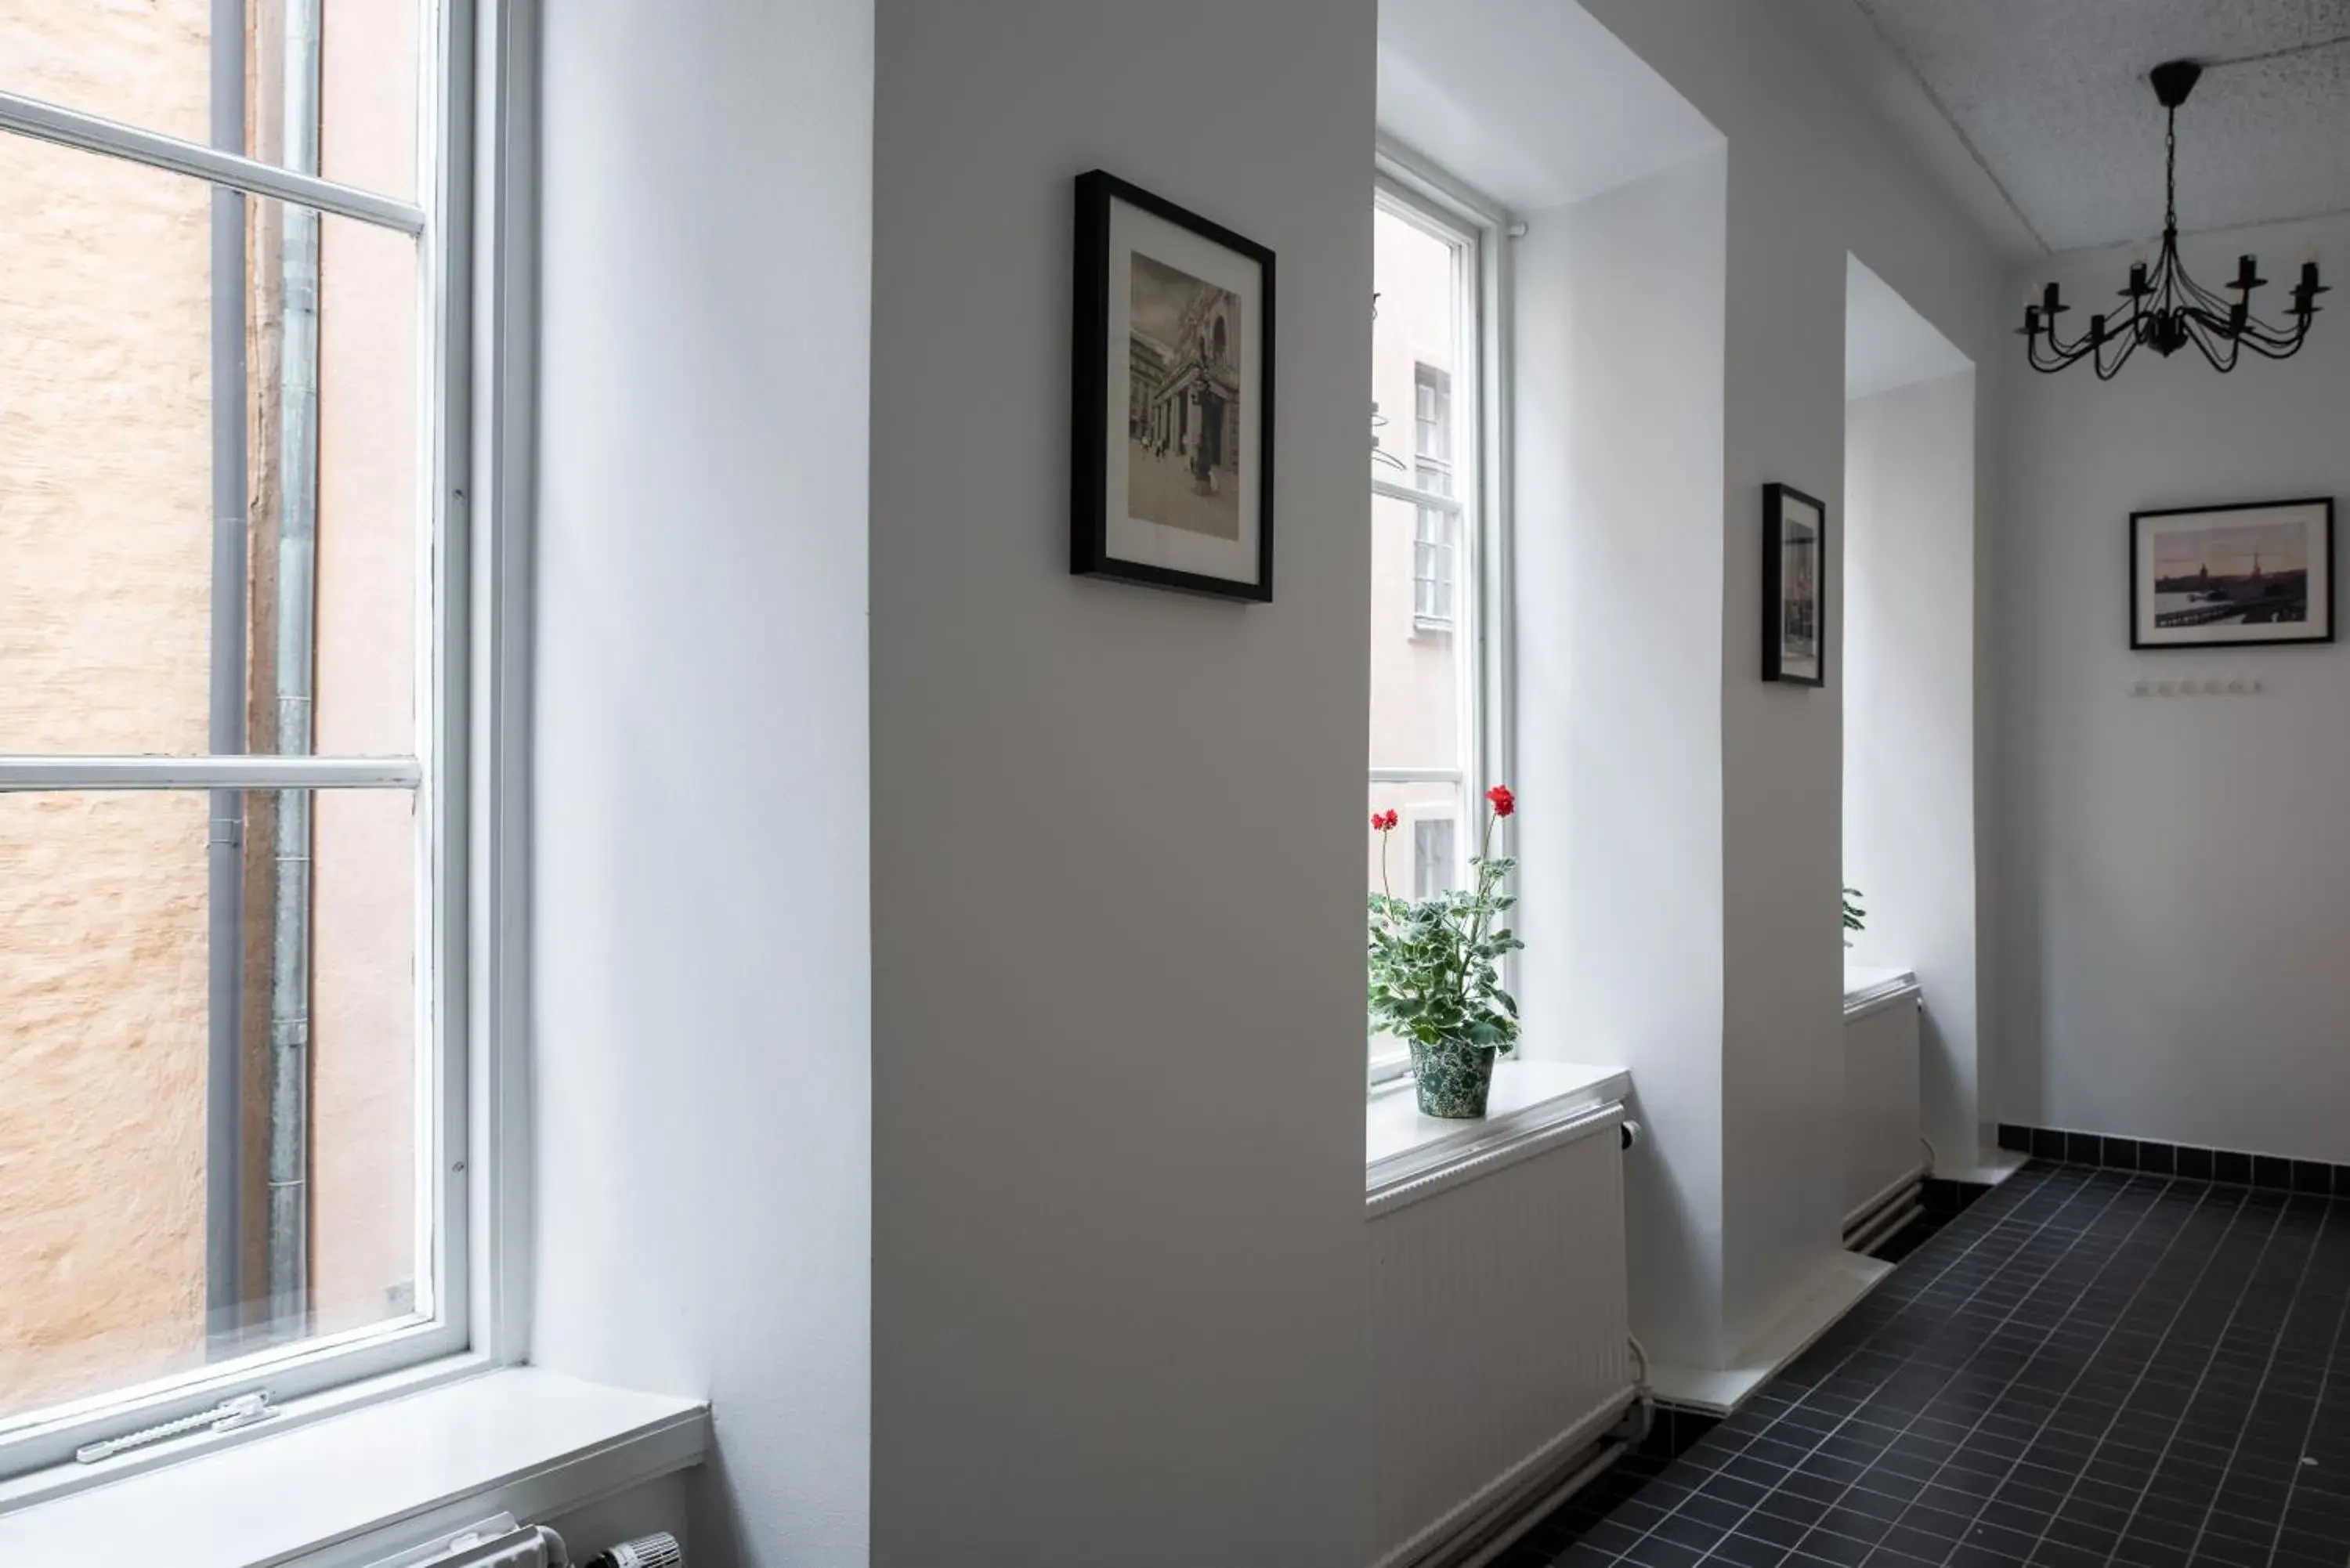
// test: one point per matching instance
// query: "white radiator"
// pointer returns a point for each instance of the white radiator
(1884, 1160)
(1499, 1333)
(495, 1542)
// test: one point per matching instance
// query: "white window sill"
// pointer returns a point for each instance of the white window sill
(1868, 990)
(364, 1485)
(1399, 1144)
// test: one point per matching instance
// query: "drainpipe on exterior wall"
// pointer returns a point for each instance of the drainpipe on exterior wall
(224, 851)
(297, 553)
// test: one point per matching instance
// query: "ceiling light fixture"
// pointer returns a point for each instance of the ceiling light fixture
(2168, 310)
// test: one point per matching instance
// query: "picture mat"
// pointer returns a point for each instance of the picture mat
(2147, 565)
(1136, 539)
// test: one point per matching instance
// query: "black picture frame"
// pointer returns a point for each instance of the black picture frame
(1782, 660)
(2316, 603)
(1095, 516)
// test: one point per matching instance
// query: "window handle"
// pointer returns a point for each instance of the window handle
(225, 1416)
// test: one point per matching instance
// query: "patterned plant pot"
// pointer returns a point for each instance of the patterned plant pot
(1454, 1078)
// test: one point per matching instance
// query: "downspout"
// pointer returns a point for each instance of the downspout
(297, 553)
(225, 853)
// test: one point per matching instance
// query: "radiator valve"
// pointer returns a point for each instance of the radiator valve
(659, 1550)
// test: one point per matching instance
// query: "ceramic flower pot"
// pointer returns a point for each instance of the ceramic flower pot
(1454, 1078)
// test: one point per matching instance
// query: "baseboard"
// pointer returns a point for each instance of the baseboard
(2151, 1157)
(1720, 1391)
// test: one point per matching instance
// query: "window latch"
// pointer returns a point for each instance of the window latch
(225, 1416)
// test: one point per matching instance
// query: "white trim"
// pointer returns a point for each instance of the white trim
(1529, 1100)
(41, 1445)
(372, 1483)
(472, 929)
(1417, 776)
(1426, 498)
(22, 775)
(505, 407)
(1485, 591)
(90, 133)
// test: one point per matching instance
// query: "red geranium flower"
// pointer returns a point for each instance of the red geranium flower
(1505, 802)
(1386, 822)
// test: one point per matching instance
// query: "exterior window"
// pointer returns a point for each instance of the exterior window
(232, 844)
(1432, 414)
(1431, 554)
(1428, 539)
(1435, 860)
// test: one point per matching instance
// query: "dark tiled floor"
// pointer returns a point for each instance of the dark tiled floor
(2086, 1367)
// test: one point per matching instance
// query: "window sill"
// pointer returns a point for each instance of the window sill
(1867, 990)
(1400, 1145)
(373, 1482)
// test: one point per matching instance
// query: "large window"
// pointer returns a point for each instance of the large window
(1432, 537)
(234, 731)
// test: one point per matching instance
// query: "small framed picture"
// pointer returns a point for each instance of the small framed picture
(1794, 574)
(2254, 575)
(1172, 440)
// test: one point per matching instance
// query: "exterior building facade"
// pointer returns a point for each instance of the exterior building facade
(107, 454)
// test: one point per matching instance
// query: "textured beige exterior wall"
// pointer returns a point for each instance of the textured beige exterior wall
(105, 562)
(105, 544)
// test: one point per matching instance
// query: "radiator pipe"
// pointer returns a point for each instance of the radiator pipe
(224, 1292)
(1642, 1418)
(297, 558)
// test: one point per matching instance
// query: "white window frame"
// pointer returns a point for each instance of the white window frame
(1412, 188)
(476, 390)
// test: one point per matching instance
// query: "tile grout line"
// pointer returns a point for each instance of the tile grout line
(1975, 1519)
(2088, 1357)
(1712, 1553)
(2236, 1449)
(2317, 1411)
(2023, 1195)
(2139, 1381)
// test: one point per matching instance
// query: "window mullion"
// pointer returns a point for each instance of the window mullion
(29, 775)
(90, 133)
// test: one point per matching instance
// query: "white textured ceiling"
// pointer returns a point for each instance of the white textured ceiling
(1532, 101)
(2052, 96)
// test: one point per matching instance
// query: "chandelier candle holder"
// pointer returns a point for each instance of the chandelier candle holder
(2168, 310)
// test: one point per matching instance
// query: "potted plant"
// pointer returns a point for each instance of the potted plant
(1435, 978)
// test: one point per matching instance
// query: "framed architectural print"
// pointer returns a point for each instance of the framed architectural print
(2253, 575)
(1795, 578)
(1171, 429)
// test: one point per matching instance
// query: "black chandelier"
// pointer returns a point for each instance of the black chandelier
(2168, 310)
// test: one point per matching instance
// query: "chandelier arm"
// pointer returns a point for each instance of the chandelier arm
(2199, 333)
(2277, 348)
(2128, 347)
(2206, 297)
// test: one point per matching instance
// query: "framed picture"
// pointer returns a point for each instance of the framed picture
(2253, 575)
(1794, 574)
(1171, 438)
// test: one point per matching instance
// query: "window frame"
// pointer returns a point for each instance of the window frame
(476, 360)
(1412, 188)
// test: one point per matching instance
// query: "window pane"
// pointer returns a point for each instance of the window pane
(1416, 673)
(103, 1051)
(149, 65)
(1429, 814)
(1415, 347)
(106, 465)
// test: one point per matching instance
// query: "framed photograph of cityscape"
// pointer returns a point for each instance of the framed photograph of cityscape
(1171, 427)
(2253, 575)
(1794, 609)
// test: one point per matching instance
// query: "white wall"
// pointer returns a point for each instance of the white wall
(2175, 910)
(1908, 722)
(700, 946)
(1617, 519)
(1812, 176)
(1119, 1245)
